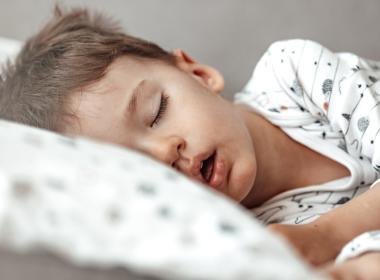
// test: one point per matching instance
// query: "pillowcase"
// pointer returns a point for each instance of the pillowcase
(96, 204)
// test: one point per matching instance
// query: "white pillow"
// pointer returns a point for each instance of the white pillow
(98, 204)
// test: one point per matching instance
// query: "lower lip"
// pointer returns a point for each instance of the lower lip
(218, 172)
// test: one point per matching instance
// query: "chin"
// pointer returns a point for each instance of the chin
(240, 192)
(245, 187)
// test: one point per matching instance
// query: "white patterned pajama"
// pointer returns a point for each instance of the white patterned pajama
(329, 102)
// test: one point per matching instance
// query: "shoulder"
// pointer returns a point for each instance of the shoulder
(295, 57)
(291, 46)
(288, 53)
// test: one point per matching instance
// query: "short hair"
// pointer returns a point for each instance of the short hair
(72, 51)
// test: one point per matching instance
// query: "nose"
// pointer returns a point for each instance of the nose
(165, 149)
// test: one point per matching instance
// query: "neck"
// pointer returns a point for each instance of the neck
(277, 166)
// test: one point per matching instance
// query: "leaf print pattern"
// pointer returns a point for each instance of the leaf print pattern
(297, 88)
(363, 123)
(372, 79)
(327, 87)
(346, 116)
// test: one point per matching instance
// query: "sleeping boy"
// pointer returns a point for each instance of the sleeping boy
(299, 145)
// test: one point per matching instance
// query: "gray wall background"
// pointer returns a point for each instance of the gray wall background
(230, 35)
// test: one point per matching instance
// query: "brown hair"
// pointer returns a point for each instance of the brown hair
(72, 51)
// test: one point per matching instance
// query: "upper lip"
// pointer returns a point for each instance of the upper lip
(194, 169)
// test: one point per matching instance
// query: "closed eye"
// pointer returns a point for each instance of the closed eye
(161, 111)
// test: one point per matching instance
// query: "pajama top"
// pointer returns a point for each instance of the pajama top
(329, 102)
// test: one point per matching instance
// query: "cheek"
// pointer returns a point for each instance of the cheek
(242, 158)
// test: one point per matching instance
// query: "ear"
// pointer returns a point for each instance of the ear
(207, 75)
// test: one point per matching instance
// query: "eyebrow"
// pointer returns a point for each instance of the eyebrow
(133, 101)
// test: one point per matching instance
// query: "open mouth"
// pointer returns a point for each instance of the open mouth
(207, 167)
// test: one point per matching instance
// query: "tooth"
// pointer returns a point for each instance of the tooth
(201, 165)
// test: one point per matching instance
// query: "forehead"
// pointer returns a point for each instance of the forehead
(96, 101)
(98, 104)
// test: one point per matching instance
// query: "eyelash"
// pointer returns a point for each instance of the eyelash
(163, 105)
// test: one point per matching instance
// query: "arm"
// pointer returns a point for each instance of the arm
(352, 219)
(359, 259)
(322, 240)
(363, 267)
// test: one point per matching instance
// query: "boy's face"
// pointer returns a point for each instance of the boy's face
(194, 121)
